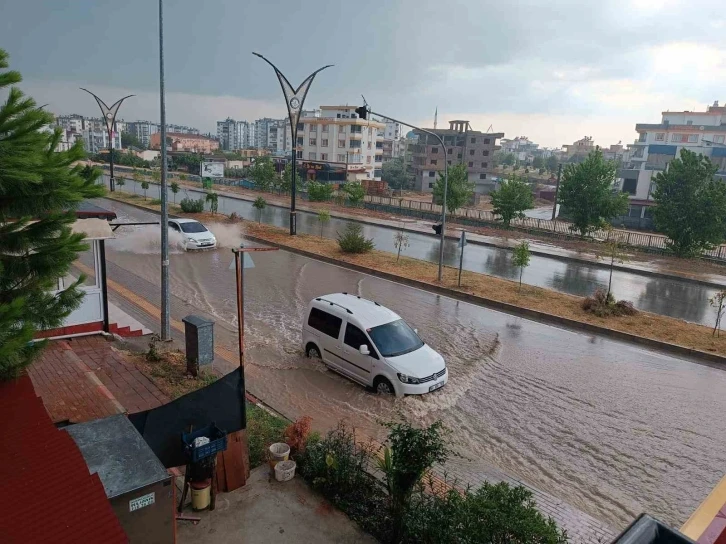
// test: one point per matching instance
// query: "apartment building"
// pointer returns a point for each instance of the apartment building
(473, 148)
(191, 143)
(143, 130)
(581, 148)
(229, 134)
(335, 139)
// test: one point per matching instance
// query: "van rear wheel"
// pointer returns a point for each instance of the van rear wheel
(312, 351)
(383, 387)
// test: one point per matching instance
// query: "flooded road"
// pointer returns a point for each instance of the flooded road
(672, 297)
(607, 427)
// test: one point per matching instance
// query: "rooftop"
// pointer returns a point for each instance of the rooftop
(368, 311)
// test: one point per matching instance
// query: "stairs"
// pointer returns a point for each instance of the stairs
(122, 324)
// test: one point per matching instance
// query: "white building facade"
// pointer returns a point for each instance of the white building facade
(336, 135)
(229, 135)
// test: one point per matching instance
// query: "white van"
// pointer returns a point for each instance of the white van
(371, 345)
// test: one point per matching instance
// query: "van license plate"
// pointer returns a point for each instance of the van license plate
(436, 386)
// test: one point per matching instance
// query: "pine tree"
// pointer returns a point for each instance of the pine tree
(38, 187)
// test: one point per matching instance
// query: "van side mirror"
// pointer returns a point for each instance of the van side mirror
(415, 330)
(364, 350)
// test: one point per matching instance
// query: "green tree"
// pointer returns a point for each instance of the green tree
(512, 198)
(552, 163)
(319, 192)
(262, 173)
(355, 192)
(174, 189)
(120, 182)
(130, 140)
(259, 204)
(587, 193)
(145, 186)
(691, 205)
(394, 173)
(38, 187)
(352, 239)
(520, 258)
(213, 199)
(538, 162)
(509, 159)
(323, 218)
(459, 190)
(613, 252)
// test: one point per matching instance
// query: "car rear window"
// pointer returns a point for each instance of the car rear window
(325, 322)
(193, 227)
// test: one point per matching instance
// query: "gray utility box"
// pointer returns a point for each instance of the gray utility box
(199, 335)
(137, 485)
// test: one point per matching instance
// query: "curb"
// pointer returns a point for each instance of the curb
(535, 315)
(539, 253)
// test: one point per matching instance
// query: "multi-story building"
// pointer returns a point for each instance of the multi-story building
(182, 129)
(229, 135)
(97, 140)
(279, 137)
(658, 143)
(143, 130)
(335, 140)
(473, 148)
(523, 149)
(247, 134)
(192, 143)
(580, 148)
(71, 123)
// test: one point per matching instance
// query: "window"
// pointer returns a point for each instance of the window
(432, 174)
(368, 159)
(340, 158)
(300, 141)
(473, 140)
(431, 185)
(630, 185)
(484, 164)
(458, 156)
(482, 176)
(341, 143)
(487, 141)
(325, 128)
(379, 158)
(355, 144)
(689, 122)
(718, 139)
(434, 150)
(298, 154)
(313, 141)
(341, 129)
(485, 153)
(395, 338)
(434, 161)
(693, 138)
(682, 138)
(471, 152)
(355, 338)
(301, 126)
(449, 151)
(312, 156)
(471, 165)
(323, 156)
(449, 162)
(324, 143)
(325, 322)
(369, 145)
(313, 128)
(660, 136)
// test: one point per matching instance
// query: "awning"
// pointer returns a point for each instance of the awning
(94, 229)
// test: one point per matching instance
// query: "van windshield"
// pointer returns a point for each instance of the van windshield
(395, 338)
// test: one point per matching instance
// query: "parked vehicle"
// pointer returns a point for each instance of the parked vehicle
(194, 234)
(371, 345)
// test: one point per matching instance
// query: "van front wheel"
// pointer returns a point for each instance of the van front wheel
(383, 387)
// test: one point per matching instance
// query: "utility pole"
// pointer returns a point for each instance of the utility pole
(165, 313)
(557, 191)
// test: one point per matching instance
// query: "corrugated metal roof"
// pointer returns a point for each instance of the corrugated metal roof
(48, 493)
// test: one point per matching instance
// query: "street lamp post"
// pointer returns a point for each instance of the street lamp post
(294, 98)
(446, 179)
(109, 117)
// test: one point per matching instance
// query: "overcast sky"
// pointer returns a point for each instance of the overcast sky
(552, 70)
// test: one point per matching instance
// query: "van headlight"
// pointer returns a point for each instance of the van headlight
(408, 379)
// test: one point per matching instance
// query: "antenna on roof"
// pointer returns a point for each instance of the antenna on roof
(436, 116)
(490, 129)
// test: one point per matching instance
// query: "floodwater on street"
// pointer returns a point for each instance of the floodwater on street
(667, 296)
(609, 428)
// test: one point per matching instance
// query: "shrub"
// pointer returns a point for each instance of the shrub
(259, 204)
(296, 434)
(319, 192)
(353, 241)
(603, 304)
(189, 205)
(234, 217)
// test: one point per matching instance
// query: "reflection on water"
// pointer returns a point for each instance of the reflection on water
(578, 280)
(683, 300)
(499, 263)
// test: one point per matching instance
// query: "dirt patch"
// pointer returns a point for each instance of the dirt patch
(647, 325)
(170, 374)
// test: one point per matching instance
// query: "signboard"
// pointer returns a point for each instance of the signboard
(212, 170)
(313, 165)
(142, 501)
(247, 262)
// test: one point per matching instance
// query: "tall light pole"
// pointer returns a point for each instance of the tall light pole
(109, 117)
(294, 98)
(165, 313)
(363, 111)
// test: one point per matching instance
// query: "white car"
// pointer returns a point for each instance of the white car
(194, 234)
(371, 345)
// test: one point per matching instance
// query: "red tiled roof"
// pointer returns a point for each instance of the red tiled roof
(48, 493)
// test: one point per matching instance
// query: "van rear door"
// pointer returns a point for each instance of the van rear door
(328, 329)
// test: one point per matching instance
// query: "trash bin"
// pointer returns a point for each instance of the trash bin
(199, 337)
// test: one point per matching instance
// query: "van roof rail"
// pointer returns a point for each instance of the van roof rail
(359, 297)
(321, 299)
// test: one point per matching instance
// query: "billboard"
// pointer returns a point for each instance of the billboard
(212, 170)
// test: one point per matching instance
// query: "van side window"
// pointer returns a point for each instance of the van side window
(355, 338)
(324, 322)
